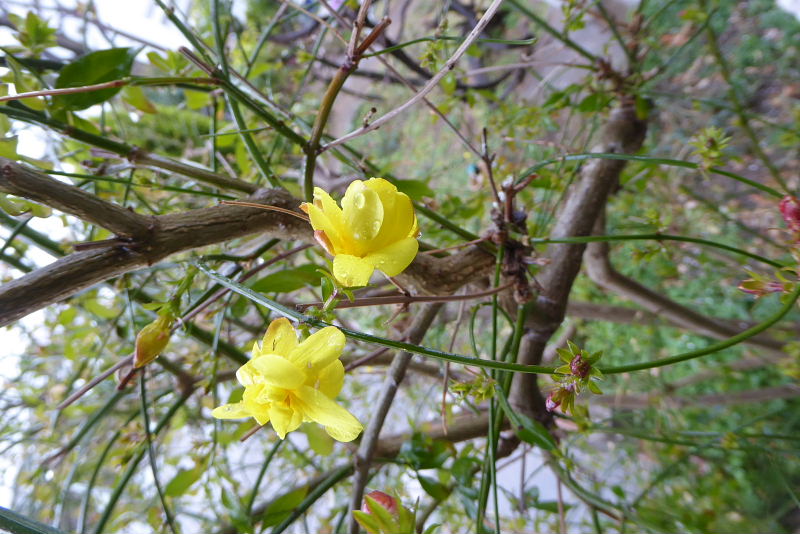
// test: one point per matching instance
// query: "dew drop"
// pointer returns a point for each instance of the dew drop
(360, 201)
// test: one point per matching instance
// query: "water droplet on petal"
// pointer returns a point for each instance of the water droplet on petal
(360, 200)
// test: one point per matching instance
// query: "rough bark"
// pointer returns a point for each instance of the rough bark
(624, 133)
(146, 240)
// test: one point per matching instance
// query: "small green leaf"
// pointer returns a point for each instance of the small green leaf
(182, 481)
(319, 440)
(433, 487)
(594, 102)
(283, 506)
(415, 189)
(368, 521)
(288, 280)
(527, 429)
(96, 67)
(386, 521)
(134, 95)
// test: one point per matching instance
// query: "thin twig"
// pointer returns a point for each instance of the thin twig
(433, 82)
(408, 299)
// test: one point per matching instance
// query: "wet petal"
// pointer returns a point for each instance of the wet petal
(322, 223)
(277, 371)
(236, 410)
(363, 212)
(318, 351)
(280, 338)
(340, 424)
(246, 374)
(352, 271)
(281, 415)
(393, 259)
(330, 379)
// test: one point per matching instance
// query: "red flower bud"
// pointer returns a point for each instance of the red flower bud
(384, 499)
(790, 209)
(579, 367)
(550, 403)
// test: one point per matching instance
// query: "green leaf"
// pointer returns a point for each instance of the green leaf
(283, 506)
(415, 189)
(433, 487)
(319, 440)
(386, 521)
(594, 102)
(528, 430)
(96, 67)
(11, 521)
(8, 147)
(288, 280)
(134, 95)
(368, 521)
(182, 481)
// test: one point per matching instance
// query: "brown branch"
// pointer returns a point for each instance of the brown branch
(624, 133)
(166, 235)
(638, 401)
(151, 239)
(28, 183)
(395, 375)
(603, 273)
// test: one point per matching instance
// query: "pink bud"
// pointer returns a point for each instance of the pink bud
(550, 403)
(790, 209)
(579, 367)
(384, 499)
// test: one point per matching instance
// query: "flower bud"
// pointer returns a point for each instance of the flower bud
(551, 403)
(384, 499)
(760, 288)
(790, 209)
(152, 339)
(579, 367)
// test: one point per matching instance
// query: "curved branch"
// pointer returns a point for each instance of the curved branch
(147, 240)
(603, 273)
(624, 133)
(24, 182)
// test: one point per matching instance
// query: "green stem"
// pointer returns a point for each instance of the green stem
(337, 476)
(151, 455)
(134, 463)
(659, 237)
(312, 148)
(731, 341)
(369, 338)
(653, 161)
(552, 31)
(733, 95)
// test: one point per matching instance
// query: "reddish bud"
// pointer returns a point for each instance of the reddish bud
(790, 209)
(579, 367)
(384, 499)
(551, 403)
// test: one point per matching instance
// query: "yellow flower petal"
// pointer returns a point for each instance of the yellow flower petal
(280, 338)
(334, 233)
(363, 213)
(236, 410)
(284, 419)
(330, 379)
(277, 371)
(318, 351)
(340, 424)
(393, 259)
(352, 271)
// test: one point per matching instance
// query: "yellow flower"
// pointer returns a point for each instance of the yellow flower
(288, 383)
(375, 228)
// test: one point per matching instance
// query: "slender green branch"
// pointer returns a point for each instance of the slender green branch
(336, 476)
(733, 95)
(561, 36)
(716, 347)
(369, 338)
(11, 521)
(151, 453)
(652, 161)
(660, 237)
(134, 463)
